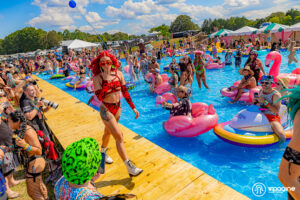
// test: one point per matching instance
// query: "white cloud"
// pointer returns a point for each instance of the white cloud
(130, 9)
(92, 17)
(198, 12)
(241, 3)
(86, 28)
(99, 1)
(169, 1)
(68, 27)
(58, 13)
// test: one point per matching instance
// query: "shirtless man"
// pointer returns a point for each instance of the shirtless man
(246, 84)
(153, 65)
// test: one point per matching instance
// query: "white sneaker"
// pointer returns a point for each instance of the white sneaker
(108, 159)
(132, 170)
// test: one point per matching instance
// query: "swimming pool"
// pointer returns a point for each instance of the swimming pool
(237, 167)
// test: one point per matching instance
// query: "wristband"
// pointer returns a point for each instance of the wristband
(26, 146)
(29, 148)
(266, 103)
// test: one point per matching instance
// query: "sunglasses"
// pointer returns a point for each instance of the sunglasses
(103, 63)
(265, 83)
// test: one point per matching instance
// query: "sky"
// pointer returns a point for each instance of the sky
(130, 16)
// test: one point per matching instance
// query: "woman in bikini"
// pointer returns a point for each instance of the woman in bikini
(108, 82)
(199, 63)
(255, 65)
(31, 152)
(289, 171)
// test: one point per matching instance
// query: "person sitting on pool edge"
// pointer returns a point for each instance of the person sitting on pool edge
(156, 82)
(247, 83)
(183, 107)
(267, 99)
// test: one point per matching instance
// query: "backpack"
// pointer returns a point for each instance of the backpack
(48, 146)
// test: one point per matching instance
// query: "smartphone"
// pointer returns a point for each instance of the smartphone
(101, 168)
(255, 94)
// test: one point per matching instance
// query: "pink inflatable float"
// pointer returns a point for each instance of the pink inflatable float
(246, 97)
(294, 78)
(203, 119)
(167, 97)
(211, 65)
(161, 88)
(274, 71)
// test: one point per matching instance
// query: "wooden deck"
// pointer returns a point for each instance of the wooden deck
(165, 176)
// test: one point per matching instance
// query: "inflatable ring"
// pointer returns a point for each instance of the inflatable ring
(245, 140)
(130, 85)
(70, 85)
(250, 128)
(57, 76)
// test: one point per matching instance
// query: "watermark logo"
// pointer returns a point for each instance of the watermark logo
(259, 189)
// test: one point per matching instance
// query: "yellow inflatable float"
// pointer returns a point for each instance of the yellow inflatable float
(219, 49)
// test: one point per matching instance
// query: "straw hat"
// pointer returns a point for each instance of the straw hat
(181, 88)
(284, 81)
(246, 68)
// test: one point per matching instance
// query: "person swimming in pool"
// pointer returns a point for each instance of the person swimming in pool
(247, 83)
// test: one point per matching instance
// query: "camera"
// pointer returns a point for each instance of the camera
(50, 103)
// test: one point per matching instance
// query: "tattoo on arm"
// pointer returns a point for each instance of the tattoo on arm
(105, 114)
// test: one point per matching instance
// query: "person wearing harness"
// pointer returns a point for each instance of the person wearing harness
(268, 100)
(255, 65)
(289, 170)
(30, 148)
(108, 82)
(199, 63)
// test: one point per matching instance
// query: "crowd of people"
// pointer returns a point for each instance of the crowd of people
(23, 123)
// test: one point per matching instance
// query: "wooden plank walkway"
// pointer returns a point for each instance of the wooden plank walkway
(165, 176)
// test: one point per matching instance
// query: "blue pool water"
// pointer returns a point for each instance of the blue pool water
(238, 167)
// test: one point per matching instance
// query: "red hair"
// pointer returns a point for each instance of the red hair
(95, 67)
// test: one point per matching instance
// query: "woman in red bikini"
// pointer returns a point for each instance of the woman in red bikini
(108, 82)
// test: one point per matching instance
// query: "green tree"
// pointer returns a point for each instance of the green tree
(297, 19)
(163, 29)
(287, 20)
(52, 39)
(275, 20)
(280, 15)
(66, 35)
(1, 48)
(293, 13)
(182, 23)
(26, 39)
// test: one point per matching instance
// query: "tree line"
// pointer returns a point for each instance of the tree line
(184, 23)
(31, 39)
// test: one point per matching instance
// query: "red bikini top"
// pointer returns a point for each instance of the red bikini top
(111, 85)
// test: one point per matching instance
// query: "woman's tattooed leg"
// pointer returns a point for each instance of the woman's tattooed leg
(105, 114)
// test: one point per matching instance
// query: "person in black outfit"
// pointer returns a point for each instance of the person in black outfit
(33, 108)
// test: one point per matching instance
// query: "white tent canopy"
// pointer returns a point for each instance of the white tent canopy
(78, 44)
(295, 27)
(246, 30)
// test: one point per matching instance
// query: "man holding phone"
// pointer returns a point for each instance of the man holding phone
(267, 99)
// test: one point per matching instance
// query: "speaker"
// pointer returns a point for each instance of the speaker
(64, 50)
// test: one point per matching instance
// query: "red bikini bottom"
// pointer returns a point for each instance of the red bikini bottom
(113, 107)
